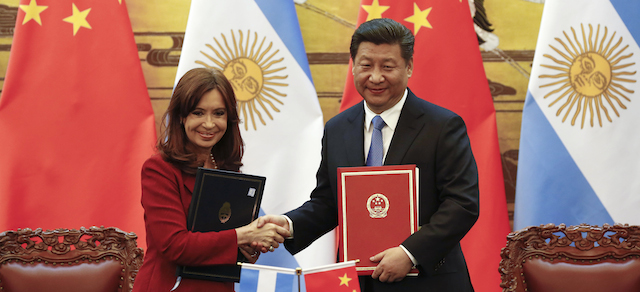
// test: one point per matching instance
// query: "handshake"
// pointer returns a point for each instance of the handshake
(265, 234)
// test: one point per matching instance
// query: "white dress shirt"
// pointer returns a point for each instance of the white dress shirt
(390, 118)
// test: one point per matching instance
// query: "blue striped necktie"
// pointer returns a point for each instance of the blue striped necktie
(375, 151)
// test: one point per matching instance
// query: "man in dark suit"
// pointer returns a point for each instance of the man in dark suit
(414, 131)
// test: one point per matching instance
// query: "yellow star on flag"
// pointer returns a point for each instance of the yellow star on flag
(344, 280)
(32, 12)
(374, 10)
(419, 18)
(79, 19)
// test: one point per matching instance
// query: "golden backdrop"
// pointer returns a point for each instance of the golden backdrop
(326, 27)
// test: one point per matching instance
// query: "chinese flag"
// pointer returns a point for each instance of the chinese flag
(335, 277)
(75, 119)
(448, 71)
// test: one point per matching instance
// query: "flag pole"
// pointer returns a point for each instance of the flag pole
(298, 273)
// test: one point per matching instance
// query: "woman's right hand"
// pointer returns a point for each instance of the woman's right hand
(268, 235)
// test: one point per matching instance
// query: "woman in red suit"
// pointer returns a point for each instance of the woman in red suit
(203, 131)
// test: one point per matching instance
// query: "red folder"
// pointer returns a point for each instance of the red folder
(378, 209)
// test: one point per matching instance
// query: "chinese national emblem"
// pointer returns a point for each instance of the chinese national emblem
(378, 205)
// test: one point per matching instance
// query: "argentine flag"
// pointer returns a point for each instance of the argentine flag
(579, 158)
(259, 278)
(259, 47)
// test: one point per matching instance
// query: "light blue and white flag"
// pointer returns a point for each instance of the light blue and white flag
(258, 45)
(259, 278)
(579, 158)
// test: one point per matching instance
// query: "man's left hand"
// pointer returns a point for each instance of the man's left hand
(394, 264)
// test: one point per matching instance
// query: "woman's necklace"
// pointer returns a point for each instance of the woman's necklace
(213, 160)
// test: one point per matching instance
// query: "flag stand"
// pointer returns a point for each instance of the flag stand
(298, 273)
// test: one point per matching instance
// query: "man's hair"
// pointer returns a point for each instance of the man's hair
(383, 31)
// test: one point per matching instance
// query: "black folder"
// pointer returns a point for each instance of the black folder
(222, 200)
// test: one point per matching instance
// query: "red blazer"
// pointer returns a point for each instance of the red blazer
(166, 195)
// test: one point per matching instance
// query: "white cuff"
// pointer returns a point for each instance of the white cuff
(411, 257)
(290, 226)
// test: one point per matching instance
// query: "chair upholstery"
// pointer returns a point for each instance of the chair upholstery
(89, 259)
(576, 258)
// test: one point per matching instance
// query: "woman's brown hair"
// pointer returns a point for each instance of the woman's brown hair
(173, 142)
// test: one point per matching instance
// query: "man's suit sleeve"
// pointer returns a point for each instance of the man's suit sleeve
(456, 185)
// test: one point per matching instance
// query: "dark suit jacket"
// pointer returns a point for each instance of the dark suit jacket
(166, 196)
(433, 138)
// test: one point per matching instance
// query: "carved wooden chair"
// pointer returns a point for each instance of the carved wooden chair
(90, 259)
(576, 258)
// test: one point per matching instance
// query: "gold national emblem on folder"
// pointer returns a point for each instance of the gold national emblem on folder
(377, 205)
(225, 212)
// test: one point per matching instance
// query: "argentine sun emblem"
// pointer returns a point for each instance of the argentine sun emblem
(592, 73)
(253, 68)
(378, 205)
